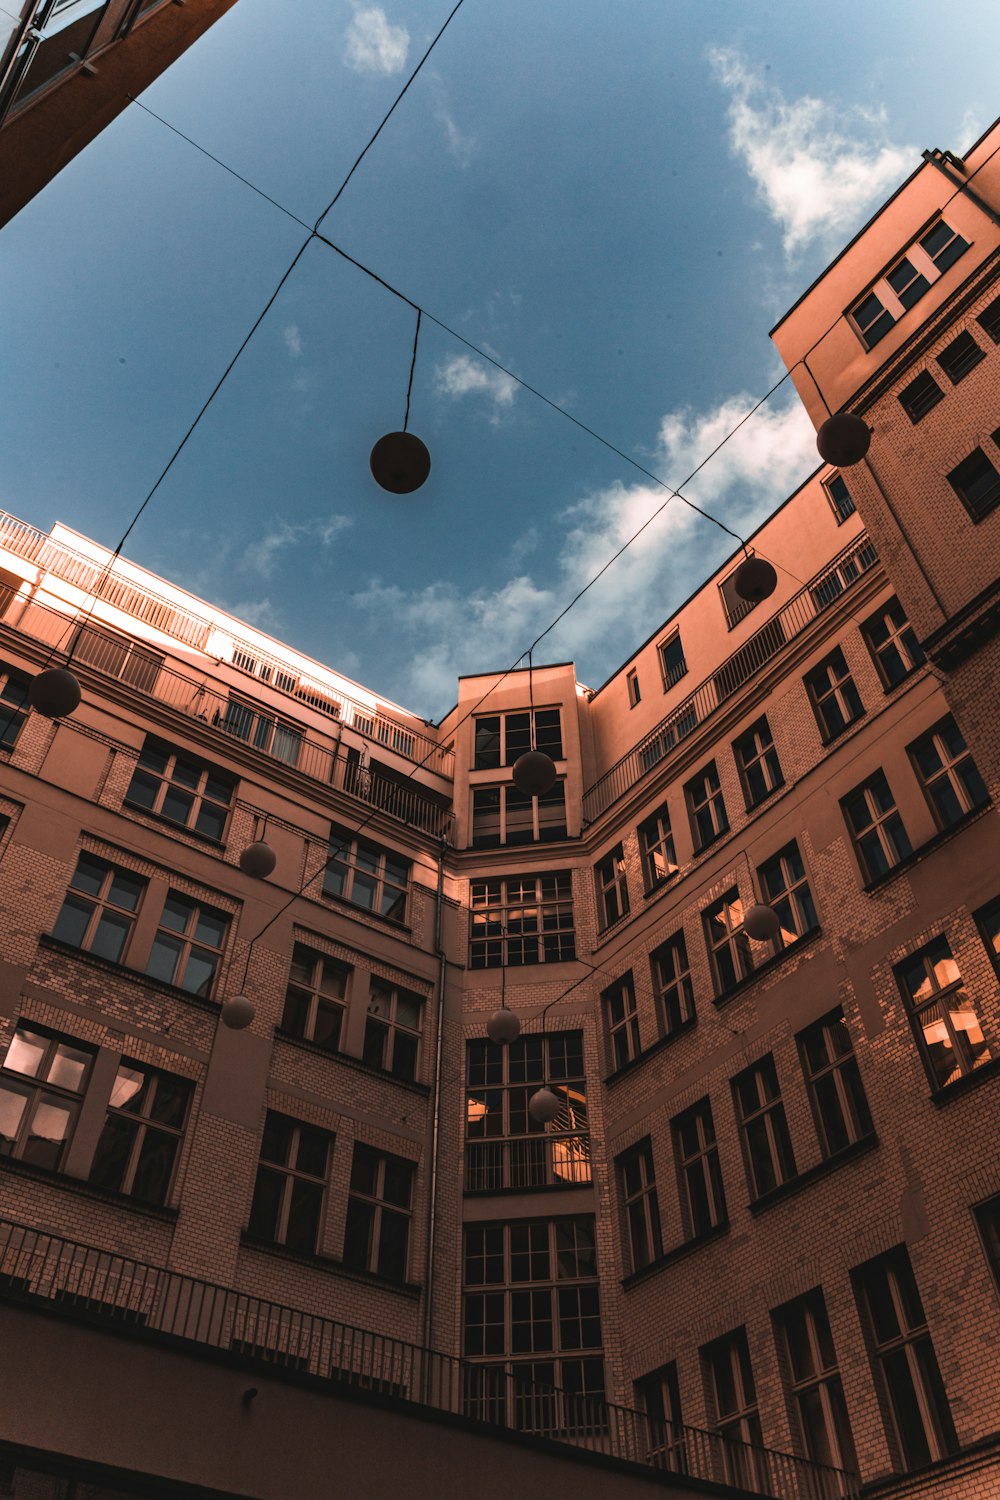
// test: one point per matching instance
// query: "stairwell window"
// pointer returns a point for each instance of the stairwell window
(501, 738)
(99, 911)
(521, 919)
(501, 815)
(176, 786)
(366, 875)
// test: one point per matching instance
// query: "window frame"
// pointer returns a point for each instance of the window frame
(893, 303)
(318, 1000)
(357, 864)
(621, 1022)
(783, 881)
(541, 829)
(611, 886)
(699, 1171)
(841, 513)
(744, 1458)
(767, 1111)
(632, 688)
(103, 908)
(539, 726)
(734, 943)
(885, 827)
(671, 672)
(756, 756)
(920, 396)
(673, 992)
(146, 1127)
(505, 1148)
(197, 791)
(187, 942)
(500, 909)
(656, 845)
(961, 356)
(299, 1131)
(899, 643)
(834, 1085)
(14, 707)
(375, 1209)
(936, 1002)
(955, 770)
(642, 1238)
(398, 1043)
(702, 797)
(987, 918)
(40, 1092)
(963, 477)
(831, 688)
(822, 1382)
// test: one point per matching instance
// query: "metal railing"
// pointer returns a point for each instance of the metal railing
(104, 1287)
(737, 669)
(531, 1162)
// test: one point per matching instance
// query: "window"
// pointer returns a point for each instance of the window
(905, 1366)
(658, 1395)
(13, 704)
(503, 815)
(767, 1146)
(291, 1180)
(505, 1147)
(672, 663)
(841, 576)
(988, 1222)
(813, 1381)
(41, 1080)
(784, 887)
(365, 875)
(187, 948)
(622, 1021)
(920, 396)
(642, 1215)
(733, 1399)
(948, 774)
(673, 991)
(977, 484)
(612, 888)
(906, 282)
(656, 849)
(502, 738)
(274, 735)
(989, 927)
(315, 1000)
(989, 320)
(176, 786)
(703, 1203)
(944, 1019)
(98, 913)
(728, 944)
(839, 497)
(632, 683)
(872, 320)
(392, 1030)
(142, 1135)
(943, 245)
(532, 1325)
(835, 700)
(894, 648)
(880, 840)
(733, 603)
(836, 1092)
(706, 807)
(378, 1212)
(961, 355)
(757, 762)
(521, 919)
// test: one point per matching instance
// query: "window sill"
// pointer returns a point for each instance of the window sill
(767, 966)
(916, 855)
(606, 931)
(328, 1263)
(966, 1083)
(686, 1247)
(755, 807)
(710, 843)
(89, 1190)
(812, 1174)
(56, 945)
(353, 909)
(660, 885)
(826, 740)
(657, 1046)
(316, 1050)
(218, 845)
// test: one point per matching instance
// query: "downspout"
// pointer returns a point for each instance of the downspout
(436, 1111)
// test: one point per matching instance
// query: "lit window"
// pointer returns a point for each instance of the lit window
(945, 1021)
(98, 913)
(622, 1021)
(503, 815)
(502, 738)
(734, 1411)
(706, 807)
(315, 1000)
(656, 848)
(961, 355)
(505, 1146)
(836, 1092)
(521, 919)
(187, 948)
(14, 687)
(41, 1079)
(880, 840)
(291, 1183)
(392, 1030)
(920, 396)
(893, 644)
(757, 762)
(835, 700)
(142, 1135)
(840, 497)
(378, 1212)
(612, 888)
(948, 774)
(366, 875)
(977, 484)
(767, 1146)
(784, 887)
(728, 944)
(813, 1379)
(703, 1202)
(175, 786)
(673, 991)
(672, 663)
(642, 1215)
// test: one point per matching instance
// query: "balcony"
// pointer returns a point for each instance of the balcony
(175, 1312)
(790, 621)
(530, 1162)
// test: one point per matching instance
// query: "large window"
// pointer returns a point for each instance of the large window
(706, 807)
(945, 1021)
(703, 1202)
(757, 762)
(977, 484)
(905, 282)
(181, 789)
(621, 1019)
(728, 945)
(392, 1029)
(903, 1359)
(188, 946)
(139, 1145)
(835, 700)
(367, 876)
(291, 1182)
(503, 815)
(502, 738)
(836, 1092)
(315, 1000)
(521, 919)
(880, 840)
(673, 992)
(378, 1212)
(893, 644)
(42, 1077)
(612, 887)
(637, 1183)
(13, 704)
(948, 774)
(505, 1147)
(767, 1146)
(734, 1409)
(785, 888)
(656, 849)
(98, 913)
(809, 1364)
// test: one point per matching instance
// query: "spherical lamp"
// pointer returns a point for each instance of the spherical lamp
(400, 463)
(503, 1027)
(237, 1012)
(843, 440)
(544, 1105)
(755, 579)
(761, 923)
(534, 773)
(54, 693)
(258, 860)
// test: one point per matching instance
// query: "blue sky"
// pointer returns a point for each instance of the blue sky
(615, 201)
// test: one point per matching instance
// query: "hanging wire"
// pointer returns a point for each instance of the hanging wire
(413, 365)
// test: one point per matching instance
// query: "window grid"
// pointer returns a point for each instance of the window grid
(734, 1403)
(945, 1021)
(948, 774)
(379, 1204)
(288, 1195)
(505, 1147)
(905, 282)
(188, 947)
(658, 1395)
(622, 1021)
(673, 990)
(785, 888)
(814, 1384)
(138, 1148)
(961, 355)
(728, 945)
(893, 644)
(977, 484)
(989, 320)
(99, 911)
(639, 1205)
(612, 887)
(835, 700)
(503, 815)
(767, 1146)
(183, 790)
(501, 738)
(706, 807)
(521, 919)
(703, 1201)
(656, 848)
(366, 875)
(315, 998)
(42, 1077)
(392, 1030)
(920, 396)
(757, 762)
(880, 839)
(833, 1080)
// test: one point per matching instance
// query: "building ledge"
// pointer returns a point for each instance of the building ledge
(686, 1247)
(376, 916)
(928, 847)
(650, 1051)
(897, 1484)
(767, 966)
(813, 1174)
(314, 1048)
(967, 1083)
(409, 1289)
(56, 945)
(517, 1192)
(85, 1189)
(170, 825)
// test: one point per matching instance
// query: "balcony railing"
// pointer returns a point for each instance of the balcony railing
(102, 1287)
(530, 1162)
(737, 669)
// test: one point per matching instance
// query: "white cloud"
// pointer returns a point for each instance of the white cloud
(816, 165)
(292, 339)
(461, 146)
(461, 375)
(262, 555)
(373, 45)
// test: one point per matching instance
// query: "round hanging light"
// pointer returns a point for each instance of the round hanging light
(237, 1012)
(544, 1105)
(400, 463)
(755, 579)
(503, 1026)
(258, 860)
(534, 773)
(761, 923)
(54, 693)
(843, 440)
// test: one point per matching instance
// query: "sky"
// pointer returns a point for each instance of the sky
(615, 202)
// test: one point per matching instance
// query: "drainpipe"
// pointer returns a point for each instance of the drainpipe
(436, 1112)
